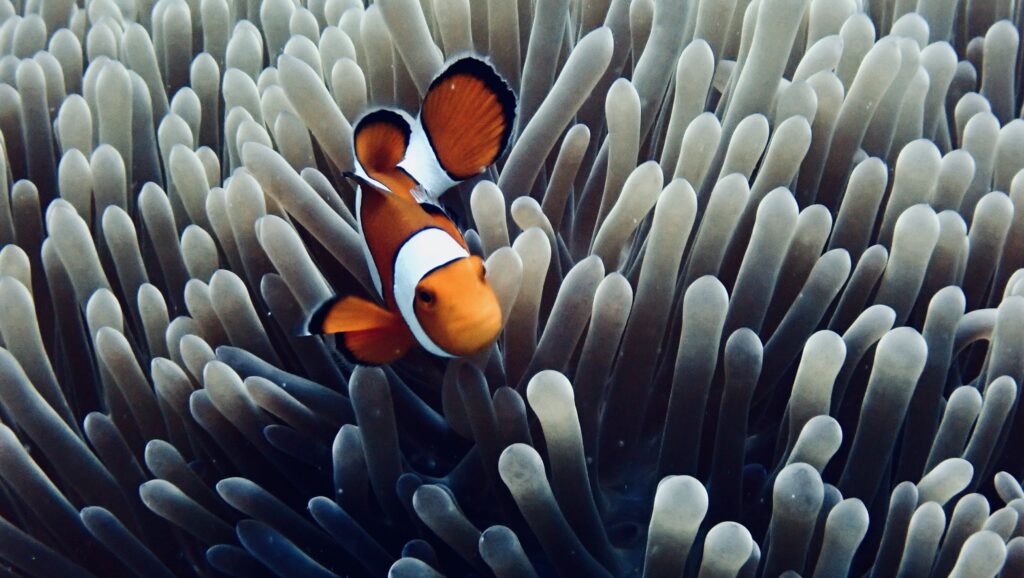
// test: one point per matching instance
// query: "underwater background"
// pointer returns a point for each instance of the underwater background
(760, 263)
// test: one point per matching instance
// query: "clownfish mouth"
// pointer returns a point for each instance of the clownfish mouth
(469, 335)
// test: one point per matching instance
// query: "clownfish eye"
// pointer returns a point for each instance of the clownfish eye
(425, 296)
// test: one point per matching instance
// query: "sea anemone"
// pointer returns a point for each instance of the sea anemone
(760, 263)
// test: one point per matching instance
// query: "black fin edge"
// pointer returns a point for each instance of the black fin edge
(437, 209)
(314, 325)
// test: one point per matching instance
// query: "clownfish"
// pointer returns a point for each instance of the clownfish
(434, 291)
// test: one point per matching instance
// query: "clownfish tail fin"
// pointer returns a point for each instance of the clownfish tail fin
(369, 333)
(468, 115)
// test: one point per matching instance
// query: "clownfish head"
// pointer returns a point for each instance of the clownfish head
(456, 307)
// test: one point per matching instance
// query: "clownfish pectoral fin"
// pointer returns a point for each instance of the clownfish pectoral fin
(370, 334)
(467, 115)
(380, 139)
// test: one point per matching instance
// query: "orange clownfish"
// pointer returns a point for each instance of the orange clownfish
(433, 290)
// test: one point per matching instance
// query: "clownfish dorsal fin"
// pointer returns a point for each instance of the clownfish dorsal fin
(467, 119)
(380, 140)
(371, 334)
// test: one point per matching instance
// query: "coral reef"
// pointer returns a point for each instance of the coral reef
(760, 263)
